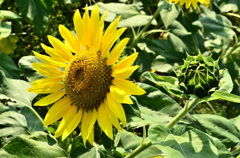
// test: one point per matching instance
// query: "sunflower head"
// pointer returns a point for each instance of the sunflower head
(189, 3)
(198, 75)
(84, 77)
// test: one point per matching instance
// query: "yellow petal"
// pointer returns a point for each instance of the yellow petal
(69, 38)
(119, 95)
(50, 98)
(108, 44)
(128, 86)
(91, 137)
(92, 119)
(116, 108)
(116, 52)
(53, 53)
(57, 111)
(112, 118)
(73, 123)
(67, 117)
(60, 47)
(104, 122)
(47, 88)
(126, 62)
(47, 81)
(50, 61)
(124, 73)
(78, 25)
(84, 127)
(47, 70)
(95, 22)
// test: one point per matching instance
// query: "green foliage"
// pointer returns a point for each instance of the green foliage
(164, 122)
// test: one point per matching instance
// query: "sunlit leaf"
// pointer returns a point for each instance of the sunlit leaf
(221, 128)
(39, 144)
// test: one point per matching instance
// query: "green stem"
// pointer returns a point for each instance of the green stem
(36, 114)
(139, 149)
(187, 108)
(144, 29)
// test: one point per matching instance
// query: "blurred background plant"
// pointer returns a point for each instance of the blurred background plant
(163, 33)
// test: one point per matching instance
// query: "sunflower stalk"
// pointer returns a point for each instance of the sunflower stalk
(135, 41)
(190, 104)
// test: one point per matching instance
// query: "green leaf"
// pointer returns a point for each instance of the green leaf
(9, 44)
(12, 124)
(215, 23)
(8, 66)
(25, 65)
(236, 121)
(223, 152)
(131, 15)
(79, 150)
(221, 128)
(229, 5)
(37, 11)
(158, 133)
(39, 144)
(154, 104)
(168, 12)
(169, 83)
(16, 89)
(137, 20)
(226, 96)
(5, 14)
(129, 142)
(5, 28)
(191, 144)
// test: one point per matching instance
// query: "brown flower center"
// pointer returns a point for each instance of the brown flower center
(87, 79)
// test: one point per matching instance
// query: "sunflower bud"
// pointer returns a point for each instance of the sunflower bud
(198, 75)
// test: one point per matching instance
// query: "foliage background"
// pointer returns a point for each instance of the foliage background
(175, 31)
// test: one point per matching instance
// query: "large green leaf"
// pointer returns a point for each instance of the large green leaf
(154, 104)
(131, 15)
(191, 144)
(37, 11)
(221, 128)
(5, 28)
(39, 144)
(168, 12)
(16, 89)
(226, 96)
(25, 65)
(129, 141)
(229, 5)
(8, 66)
(169, 83)
(215, 23)
(12, 124)
(5, 14)
(236, 121)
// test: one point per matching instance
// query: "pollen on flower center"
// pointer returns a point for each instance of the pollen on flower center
(87, 79)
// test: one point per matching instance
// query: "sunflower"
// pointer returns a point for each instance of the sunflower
(188, 3)
(84, 77)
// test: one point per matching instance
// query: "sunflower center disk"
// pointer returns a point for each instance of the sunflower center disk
(87, 79)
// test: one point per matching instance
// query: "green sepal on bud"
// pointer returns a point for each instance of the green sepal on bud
(198, 75)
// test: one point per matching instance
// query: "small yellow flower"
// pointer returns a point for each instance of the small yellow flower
(188, 3)
(84, 78)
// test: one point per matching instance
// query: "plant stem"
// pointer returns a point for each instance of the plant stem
(139, 149)
(187, 108)
(36, 114)
(144, 29)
